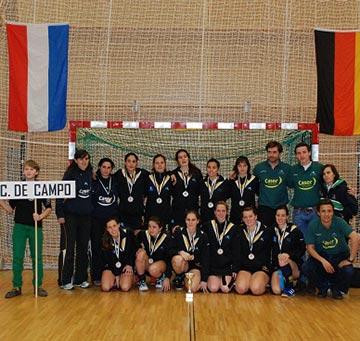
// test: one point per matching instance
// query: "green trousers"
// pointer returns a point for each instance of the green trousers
(20, 234)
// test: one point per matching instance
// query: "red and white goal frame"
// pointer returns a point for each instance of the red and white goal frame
(313, 127)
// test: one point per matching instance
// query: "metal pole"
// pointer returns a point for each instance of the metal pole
(189, 298)
(191, 317)
(36, 251)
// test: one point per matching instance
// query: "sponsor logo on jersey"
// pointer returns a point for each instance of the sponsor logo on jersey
(306, 185)
(330, 244)
(273, 183)
(84, 193)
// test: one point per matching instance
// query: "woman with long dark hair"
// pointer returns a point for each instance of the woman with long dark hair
(158, 192)
(187, 185)
(223, 238)
(118, 256)
(254, 259)
(336, 189)
(154, 255)
(214, 189)
(74, 217)
(243, 188)
(192, 248)
(132, 182)
(288, 251)
(105, 202)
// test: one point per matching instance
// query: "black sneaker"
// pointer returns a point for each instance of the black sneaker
(179, 282)
(41, 292)
(337, 295)
(13, 293)
(322, 293)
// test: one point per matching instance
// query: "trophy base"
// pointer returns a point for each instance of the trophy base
(189, 297)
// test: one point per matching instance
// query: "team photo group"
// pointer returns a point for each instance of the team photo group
(133, 227)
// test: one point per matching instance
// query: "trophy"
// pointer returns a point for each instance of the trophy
(189, 279)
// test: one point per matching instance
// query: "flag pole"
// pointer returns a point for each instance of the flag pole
(36, 251)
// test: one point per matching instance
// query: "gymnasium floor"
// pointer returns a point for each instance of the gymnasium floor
(89, 314)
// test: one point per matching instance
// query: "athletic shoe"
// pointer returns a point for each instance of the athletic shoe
(288, 292)
(83, 285)
(41, 292)
(142, 285)
(68, 286)
(179, 282)
(13, 293)
(159, 282)
(337, 295)
(322, 293)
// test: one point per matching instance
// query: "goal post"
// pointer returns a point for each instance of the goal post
(222, 140)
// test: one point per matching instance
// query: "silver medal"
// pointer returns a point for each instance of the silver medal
(130, 199)
(185, 194)
(251, 256)
(159, 200)
(210, 204)
(220, 251)
(118, 265)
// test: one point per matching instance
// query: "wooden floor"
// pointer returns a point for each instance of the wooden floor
(89, 314)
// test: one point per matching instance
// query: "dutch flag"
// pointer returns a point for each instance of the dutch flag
(38, 71)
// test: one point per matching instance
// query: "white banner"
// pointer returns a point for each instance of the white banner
(37, 189)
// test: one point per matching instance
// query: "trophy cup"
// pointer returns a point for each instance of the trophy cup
(189, 279)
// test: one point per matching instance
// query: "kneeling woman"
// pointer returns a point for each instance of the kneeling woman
(154, 255)
(287, 254)
(254, 256)
(223, 239)
(118, 256)
(192, 248)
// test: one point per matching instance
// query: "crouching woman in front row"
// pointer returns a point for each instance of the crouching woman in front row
(254, 257)
(118, 256)
(192, 248)
(154, 255)
(288, 251)
(223, 239)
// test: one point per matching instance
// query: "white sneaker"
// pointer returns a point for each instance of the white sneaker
(159, 282)
(83, 285)
(143, 286)
(68, 286)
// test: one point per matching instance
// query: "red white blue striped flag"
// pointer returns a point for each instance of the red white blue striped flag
(38, 71)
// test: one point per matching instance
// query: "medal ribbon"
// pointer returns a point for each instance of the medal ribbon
(130, 180)
(281, 236)
(254, 236)
(241, 186)
(157, 186)
(227, 228)
(106, 191)
(154, 246)
(212, 186)
(117, 246)
(185, 178)
(190, 242)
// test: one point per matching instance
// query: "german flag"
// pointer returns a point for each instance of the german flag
(338, 72)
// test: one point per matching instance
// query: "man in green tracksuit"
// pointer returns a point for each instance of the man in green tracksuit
(305, 179)
(273, 175)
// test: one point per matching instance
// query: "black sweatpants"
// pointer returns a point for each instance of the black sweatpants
(75, 231)
(97, 232)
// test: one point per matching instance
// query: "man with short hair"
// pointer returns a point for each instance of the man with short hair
(330, 262)
(273, 175)
(305, 179)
